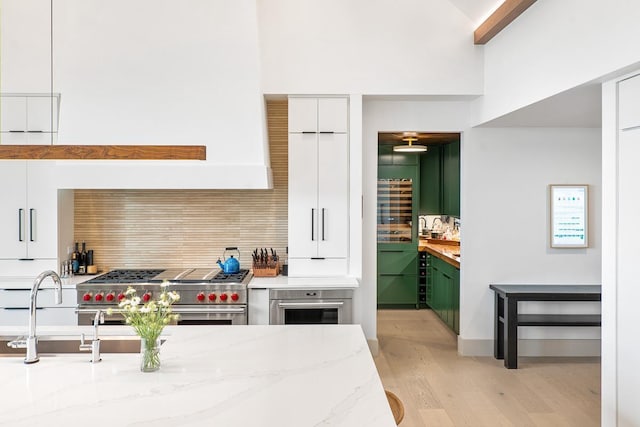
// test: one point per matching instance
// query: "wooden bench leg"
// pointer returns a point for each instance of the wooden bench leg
(510, 333)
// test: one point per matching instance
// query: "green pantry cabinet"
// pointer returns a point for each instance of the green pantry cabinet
(440, 180)
(398, 186)
(443, 291)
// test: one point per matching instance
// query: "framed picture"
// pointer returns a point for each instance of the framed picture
(569, 216)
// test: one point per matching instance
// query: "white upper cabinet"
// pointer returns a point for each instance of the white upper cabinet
(326, 115)
(318, 186)
(25, 46)
(28, 214)
(629, 103)
(333, 115)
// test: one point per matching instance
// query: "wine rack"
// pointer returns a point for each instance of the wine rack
(395, 200)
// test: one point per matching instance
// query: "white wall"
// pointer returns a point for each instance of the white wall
(369, 47)
(554, 46)
(504, 177)
(387, 116)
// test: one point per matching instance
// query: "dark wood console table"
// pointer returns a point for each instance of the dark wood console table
(507, 319)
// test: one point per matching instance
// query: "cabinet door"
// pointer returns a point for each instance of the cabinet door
(303, 195)
(333, 195)
(396, 261)
(431, 182)
(42, 210)
(303, 115)
(333, 115)
(39, 109)
(13, 209)
(447, 301)
(451, 179)
(25, 37)
(397, 289)
(13, 113)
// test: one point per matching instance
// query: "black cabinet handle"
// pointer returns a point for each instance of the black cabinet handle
(308, 132)
(31, 225)
(313, 211)
(20, 215)
(323, 224)
(391, 274)
(327, 132)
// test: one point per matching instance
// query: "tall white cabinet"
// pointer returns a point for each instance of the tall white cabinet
(318, 186)
(28, 217)
(628, 291)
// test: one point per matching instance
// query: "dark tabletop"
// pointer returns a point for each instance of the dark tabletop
(549, 290)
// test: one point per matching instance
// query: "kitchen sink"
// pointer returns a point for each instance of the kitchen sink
(52, 345)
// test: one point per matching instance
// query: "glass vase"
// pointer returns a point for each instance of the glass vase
(149, 355)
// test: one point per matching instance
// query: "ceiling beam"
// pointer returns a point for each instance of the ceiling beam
(103, 152)
(503, 16)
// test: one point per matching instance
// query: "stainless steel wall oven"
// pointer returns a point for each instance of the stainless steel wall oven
(303, 307)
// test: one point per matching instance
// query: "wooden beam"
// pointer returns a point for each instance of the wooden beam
(103, 152)
(503, 16)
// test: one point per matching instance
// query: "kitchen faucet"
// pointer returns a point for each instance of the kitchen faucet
(30, 343)
(94, 347)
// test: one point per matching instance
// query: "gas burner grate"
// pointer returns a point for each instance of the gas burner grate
(126, 276)
(223, 277)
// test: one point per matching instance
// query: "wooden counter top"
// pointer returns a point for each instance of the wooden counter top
(443, 252)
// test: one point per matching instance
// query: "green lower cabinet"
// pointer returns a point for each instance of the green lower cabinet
(397, 290)
(446, 293)
(397, 276)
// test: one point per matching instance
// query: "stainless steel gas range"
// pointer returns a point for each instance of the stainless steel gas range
(207, 296)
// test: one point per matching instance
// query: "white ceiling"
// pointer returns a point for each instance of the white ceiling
(577, 107)
(477, 10)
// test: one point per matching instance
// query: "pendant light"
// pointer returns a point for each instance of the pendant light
(410, 138)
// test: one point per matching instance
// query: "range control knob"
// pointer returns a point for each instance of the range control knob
(110, 296)
(200, 297)
(146, 297)
(86, 297)
(212, 297)
(234, 296)
(99, 296)
(121, 296)
(223, 297)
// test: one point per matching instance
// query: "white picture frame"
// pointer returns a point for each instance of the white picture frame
(569, 216)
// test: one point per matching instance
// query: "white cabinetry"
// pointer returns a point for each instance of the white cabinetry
(25, 72)
(28, 214)
(318, 186)
(28, 118)
(14, 307)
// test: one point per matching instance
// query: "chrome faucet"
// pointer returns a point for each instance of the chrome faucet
(30, 343)
(94, 347)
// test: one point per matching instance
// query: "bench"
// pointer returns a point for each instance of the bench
(507, 319)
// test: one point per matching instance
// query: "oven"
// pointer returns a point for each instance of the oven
(305, 307)
(189, 315)
(207, 297)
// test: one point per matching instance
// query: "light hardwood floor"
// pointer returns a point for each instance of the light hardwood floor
(418, 361)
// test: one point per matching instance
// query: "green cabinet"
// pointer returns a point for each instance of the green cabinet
(451, 179)
(431, 182)
(445, 292)
(397, 276)
(440, 180)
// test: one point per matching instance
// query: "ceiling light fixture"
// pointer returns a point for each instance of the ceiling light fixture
(410, 138)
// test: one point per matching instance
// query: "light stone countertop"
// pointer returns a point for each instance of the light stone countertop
(296, 375)
(287, 282)
(9, 282)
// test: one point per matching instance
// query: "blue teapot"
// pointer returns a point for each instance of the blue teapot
(230, 265)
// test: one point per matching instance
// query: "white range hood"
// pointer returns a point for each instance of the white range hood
(161, 72)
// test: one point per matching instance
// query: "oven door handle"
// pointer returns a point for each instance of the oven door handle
(225, 310)
(304, 305)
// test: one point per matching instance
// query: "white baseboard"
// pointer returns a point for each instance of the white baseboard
(373, 346)
(535, 348)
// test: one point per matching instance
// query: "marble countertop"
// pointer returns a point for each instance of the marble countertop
(443, 252)
(9, 282)
(283, 282)
(296, 375)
